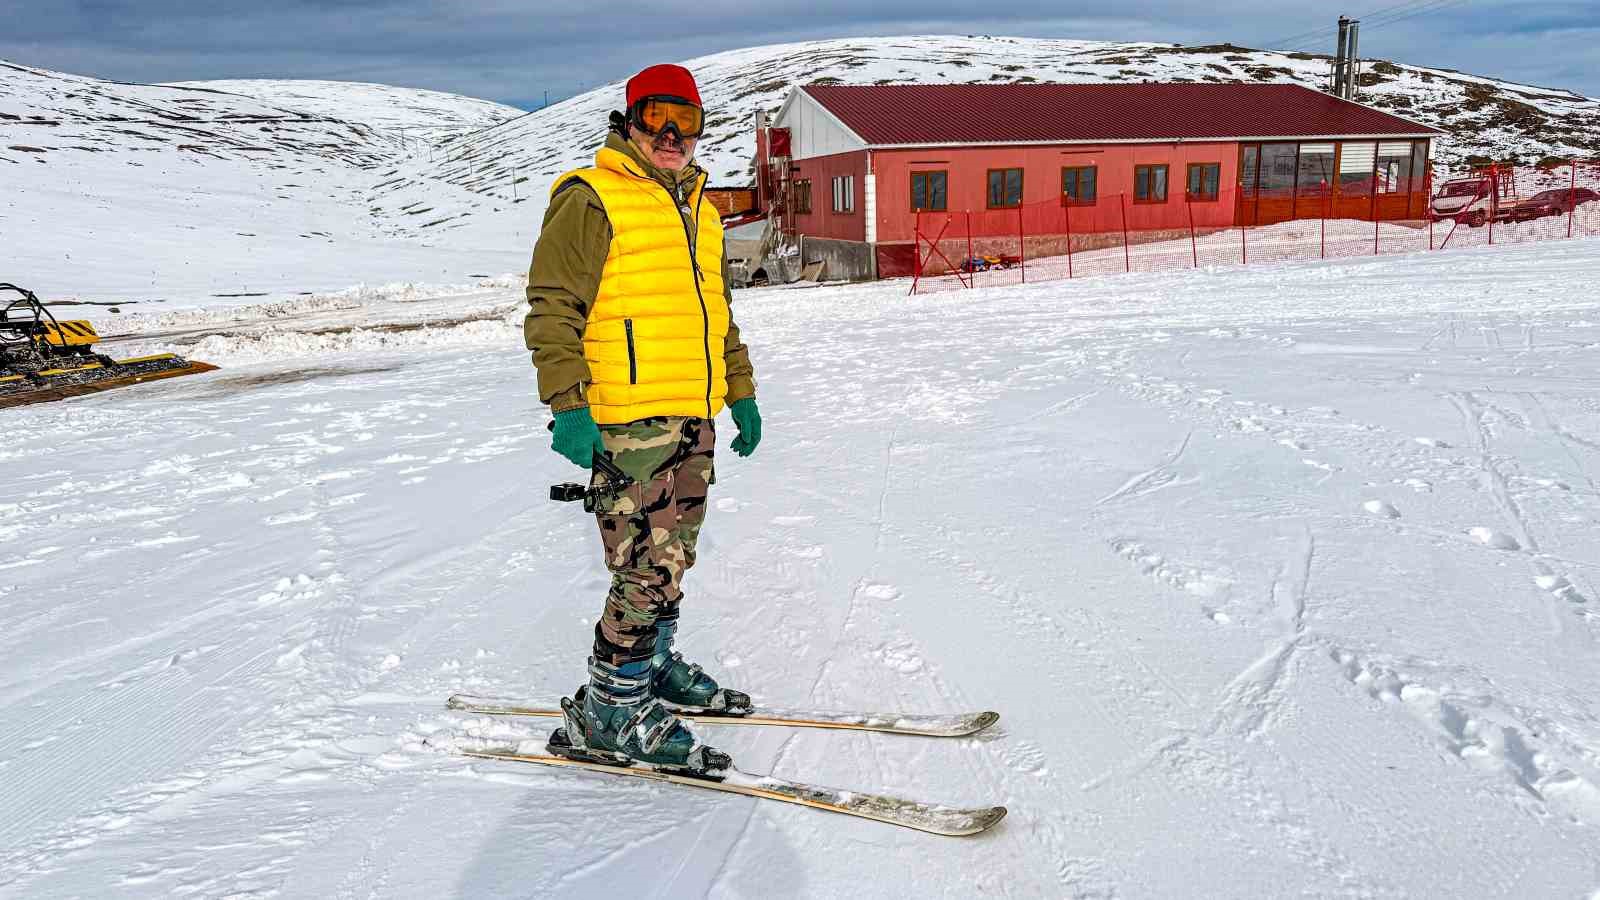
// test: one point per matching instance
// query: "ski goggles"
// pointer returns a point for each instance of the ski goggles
(657, 115)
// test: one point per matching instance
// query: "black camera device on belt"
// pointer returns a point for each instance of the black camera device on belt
(615, 482)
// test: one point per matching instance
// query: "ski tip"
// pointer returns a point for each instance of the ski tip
(975, 821)
(988, 818)
(458, 701)
(984, 720)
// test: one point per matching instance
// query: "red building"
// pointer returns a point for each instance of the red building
(848, 168)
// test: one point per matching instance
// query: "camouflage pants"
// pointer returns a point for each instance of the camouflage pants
(650, 528)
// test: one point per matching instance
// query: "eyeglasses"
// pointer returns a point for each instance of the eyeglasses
(655, 116)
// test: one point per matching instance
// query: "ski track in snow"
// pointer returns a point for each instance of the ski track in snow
(1281, 586)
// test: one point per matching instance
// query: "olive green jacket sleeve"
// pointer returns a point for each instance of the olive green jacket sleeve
(741, 374)
(562, 284)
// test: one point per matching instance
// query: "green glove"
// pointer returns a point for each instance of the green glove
(748, 420)
(577, 437)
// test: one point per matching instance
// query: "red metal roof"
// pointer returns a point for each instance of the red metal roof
(1049, 113)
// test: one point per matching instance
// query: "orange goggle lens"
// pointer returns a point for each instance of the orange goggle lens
(656, 115)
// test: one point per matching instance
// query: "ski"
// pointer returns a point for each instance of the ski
(929, 817)
(955, 725)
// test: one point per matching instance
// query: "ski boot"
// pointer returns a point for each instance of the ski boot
(686, 684)
(614, 720)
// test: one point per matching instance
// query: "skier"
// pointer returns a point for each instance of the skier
(631, 330)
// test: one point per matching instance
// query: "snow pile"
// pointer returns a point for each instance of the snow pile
(234, 349)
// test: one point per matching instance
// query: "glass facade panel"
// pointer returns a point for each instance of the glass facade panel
(1356, 159)
(1315, 170)
(1249, 169)
(1394, 167)
(1277, 168)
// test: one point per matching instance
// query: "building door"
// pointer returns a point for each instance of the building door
(1244, 213)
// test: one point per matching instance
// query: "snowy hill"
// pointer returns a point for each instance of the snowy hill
(420, 114)
(49, 115)
(183, 194)
(1485, 117)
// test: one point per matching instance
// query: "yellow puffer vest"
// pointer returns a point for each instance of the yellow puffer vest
(654, 342)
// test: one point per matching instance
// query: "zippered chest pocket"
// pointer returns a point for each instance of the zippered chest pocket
(633, 359)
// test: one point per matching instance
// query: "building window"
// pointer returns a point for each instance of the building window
(1395, 172)
(802, 195)
(1204, 180)
(1315, 166)
(1278, 162)
(844, 193)
(1356, 161)
(1149, 184)
(1005, 188)
(1078, 186)
(928, 191)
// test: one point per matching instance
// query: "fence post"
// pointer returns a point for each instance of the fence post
(972, 276)
(1427, 199)
(1572, 197)
(916, 265)
(1068, 208)
(1194, 249)
(1375, 221)
(1022, 245)
(1127, 261)
(1327, 205)
(1244, 251)
(1493, 199)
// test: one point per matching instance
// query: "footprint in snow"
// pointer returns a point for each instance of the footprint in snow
(1488, 537)
(1380, 508)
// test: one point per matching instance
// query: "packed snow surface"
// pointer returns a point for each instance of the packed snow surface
(1284, 579)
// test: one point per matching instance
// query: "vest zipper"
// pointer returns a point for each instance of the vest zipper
(699, 276)
(633, 361)
(705, 317)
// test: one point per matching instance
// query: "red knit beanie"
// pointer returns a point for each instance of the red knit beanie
(663, 80)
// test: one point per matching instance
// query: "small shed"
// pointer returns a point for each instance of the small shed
(860, 162)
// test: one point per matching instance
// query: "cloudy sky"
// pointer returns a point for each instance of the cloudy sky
(515, 51)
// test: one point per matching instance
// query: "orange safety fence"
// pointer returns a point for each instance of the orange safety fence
(1121, 233)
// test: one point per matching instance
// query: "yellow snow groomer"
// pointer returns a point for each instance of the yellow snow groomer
(45, 359)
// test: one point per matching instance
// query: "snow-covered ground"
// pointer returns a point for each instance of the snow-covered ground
(1285, 579)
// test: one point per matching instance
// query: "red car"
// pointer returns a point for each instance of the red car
(1554, 202)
